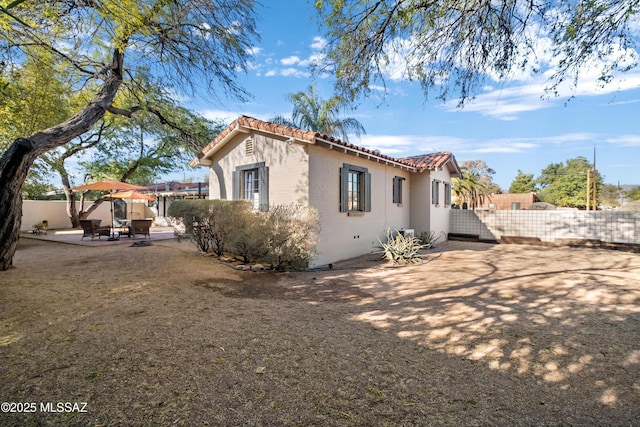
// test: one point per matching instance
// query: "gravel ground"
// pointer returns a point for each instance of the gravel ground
(476, 335)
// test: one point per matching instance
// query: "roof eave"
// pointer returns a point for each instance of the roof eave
(366, 155)
(204, 158)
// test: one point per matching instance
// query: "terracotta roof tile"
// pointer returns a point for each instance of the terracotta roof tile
(431, 161)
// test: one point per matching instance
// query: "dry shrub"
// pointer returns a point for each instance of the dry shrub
(210, 224)
(284, 236)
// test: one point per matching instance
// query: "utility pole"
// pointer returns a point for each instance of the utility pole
(588, 188)
(595, 175)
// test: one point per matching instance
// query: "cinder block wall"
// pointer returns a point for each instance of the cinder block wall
(606, 226)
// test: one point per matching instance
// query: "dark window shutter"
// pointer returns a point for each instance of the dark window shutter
(263, 186)
(447, 193)
(367, 191)
(434, 192)
(236, 184)
(344, 185)
(397, 189)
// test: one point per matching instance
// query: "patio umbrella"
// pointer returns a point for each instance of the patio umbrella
(110, 186)
(131, 195)
(107, 186)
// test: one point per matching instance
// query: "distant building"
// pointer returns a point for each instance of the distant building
(507, 201)
(167, 192)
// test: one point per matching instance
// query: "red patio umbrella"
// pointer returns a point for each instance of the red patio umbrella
(110, 186)
(107, 186)
(131, 195)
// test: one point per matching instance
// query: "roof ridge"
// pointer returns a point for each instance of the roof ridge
(418, 161)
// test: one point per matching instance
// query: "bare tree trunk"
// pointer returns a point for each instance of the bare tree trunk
(74, 214)
(19, 157)
(70, 196)
(14, 167)
(85, 214)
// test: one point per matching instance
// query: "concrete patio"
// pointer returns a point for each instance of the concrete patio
(74, 236)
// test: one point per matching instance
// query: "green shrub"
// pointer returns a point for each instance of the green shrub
(249, 239)
(210, 224)
(428, 239)
(401, 249)
(293, 236)
(284, 237)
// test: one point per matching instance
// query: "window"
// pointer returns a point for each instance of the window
(355, 195)
(435, 192)
(397, 189)
(515, 206)
(251, 186)
(251, 182)
(355, 189)
(447, 194)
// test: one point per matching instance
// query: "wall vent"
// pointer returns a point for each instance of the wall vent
(249, 147)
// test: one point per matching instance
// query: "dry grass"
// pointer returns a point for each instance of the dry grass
(477, 335)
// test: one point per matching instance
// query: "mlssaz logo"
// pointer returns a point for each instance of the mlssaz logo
(63, 407)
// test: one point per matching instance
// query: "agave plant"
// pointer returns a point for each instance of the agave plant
(401, 249)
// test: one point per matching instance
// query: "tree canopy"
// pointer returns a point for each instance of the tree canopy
(453, 46)
(566, 184)
(634, 193)
(475, 184)
(311, 112)
(197, 46)
(523, 183)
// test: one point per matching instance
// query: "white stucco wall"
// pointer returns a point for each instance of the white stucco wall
(287, 163)
(55, 212)
(439, 215)
(420, 195)
(343, 236)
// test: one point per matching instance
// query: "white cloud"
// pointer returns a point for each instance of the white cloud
(318, 43)
(526, 88)
(625, 140)
(293, 72)
(286, 72)
(228, 116)
(253, 66)
(508, 102)
(291, 60)
(225, 116)
(295, 65)
(506, 147)
(408, 145)
(254, 50)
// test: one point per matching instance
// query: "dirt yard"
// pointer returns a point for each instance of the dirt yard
(477, 335)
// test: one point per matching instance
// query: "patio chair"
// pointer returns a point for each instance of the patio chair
(92, 228)
(140, 226)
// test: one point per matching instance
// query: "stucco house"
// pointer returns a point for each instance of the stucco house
(359, 193)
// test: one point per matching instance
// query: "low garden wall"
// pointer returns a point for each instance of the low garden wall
(55, 213)
(554, 226)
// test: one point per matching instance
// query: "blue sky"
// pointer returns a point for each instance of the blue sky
(510, 125)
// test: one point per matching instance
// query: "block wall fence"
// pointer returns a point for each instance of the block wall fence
(55, 213)
(549, 226)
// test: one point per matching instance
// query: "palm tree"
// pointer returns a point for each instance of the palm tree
(471, 188)
(314, 113)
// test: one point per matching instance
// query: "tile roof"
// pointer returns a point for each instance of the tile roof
(432, 161)
(422, 162)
